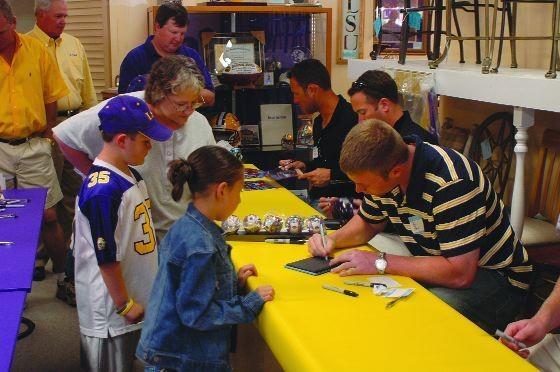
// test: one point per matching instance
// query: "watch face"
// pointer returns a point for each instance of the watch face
(380, 264)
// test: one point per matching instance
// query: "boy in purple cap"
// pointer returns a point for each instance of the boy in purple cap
(114, 239)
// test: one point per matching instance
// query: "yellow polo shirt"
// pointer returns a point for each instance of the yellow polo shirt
(70, 55)
(31, 81)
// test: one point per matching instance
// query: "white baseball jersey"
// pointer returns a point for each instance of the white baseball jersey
(113, 223)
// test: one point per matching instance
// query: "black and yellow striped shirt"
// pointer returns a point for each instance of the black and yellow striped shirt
(449, 209)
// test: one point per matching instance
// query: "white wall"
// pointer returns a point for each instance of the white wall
(128, 22)
(24, 12)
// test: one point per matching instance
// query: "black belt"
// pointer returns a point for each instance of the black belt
(15, 141)
(67, 113)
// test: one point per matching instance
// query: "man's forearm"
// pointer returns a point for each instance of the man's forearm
(549, 313)
(356, 232)
(50, 110)
(454, 272)
(78, 159)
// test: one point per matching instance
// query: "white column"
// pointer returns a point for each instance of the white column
(523, 118)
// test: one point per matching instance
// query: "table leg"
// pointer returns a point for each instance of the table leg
(523, 118)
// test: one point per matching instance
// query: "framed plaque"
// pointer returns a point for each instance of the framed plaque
(234, 53)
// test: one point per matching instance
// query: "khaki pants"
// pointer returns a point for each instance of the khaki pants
(32, 165)
(70, 184)
(546, 354)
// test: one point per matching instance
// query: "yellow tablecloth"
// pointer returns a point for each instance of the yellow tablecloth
(312, 329)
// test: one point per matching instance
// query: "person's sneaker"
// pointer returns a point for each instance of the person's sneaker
(66, 291)
(39, 274)
(61, 290)
(70, 292)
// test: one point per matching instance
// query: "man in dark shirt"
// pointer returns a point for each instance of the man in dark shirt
(171, 25)
(375, 96)
(311, 86)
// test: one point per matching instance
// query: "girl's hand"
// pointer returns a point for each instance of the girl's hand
(266, 292)
(245, 272)
(136, 314)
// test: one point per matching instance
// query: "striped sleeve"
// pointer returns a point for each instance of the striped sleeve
(459, 216)
(370, 211)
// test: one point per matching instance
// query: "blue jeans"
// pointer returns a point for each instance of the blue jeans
(491, 302)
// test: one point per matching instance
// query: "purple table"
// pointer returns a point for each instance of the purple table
(11, 307)
(18, 260)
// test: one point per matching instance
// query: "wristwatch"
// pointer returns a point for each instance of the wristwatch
(381, 263)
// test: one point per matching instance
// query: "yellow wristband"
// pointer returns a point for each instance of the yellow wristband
(127, 308)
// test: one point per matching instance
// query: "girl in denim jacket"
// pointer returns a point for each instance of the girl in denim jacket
(194, 301)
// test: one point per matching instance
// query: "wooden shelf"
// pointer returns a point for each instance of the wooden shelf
(258, 9)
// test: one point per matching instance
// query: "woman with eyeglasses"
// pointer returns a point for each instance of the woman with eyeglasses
(173, 93)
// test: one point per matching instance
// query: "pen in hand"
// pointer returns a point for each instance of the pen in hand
(323, 237)
(510, 339)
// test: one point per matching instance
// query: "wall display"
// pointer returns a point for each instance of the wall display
(388, 22)
(350, 33)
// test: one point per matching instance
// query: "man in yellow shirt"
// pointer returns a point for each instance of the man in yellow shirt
(71, 58)
(30, 85)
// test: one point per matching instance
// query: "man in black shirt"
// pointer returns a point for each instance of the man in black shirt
(311, 86)
(375, 96)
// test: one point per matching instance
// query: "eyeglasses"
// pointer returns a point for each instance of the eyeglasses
(360, 85)
(193, 105)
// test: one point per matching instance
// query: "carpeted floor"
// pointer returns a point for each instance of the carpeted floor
(55, 343)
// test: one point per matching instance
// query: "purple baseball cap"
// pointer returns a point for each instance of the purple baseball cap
(128, 114)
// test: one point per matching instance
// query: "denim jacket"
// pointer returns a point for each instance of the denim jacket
(194, 301)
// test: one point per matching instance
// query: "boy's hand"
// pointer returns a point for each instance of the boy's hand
(136, 314)
(245, 272)
(266, 292)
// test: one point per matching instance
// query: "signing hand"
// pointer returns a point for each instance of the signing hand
(291, 164)
(355, 262)
(316, 248)
(528, 331)
(320, 177)
(266, 292)
(136, 314)
(326, 205)
(245, 272)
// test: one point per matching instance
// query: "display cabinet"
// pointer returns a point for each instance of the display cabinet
(287, 34)
(292, 33)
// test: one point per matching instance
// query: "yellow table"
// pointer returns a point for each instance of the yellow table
(312, 329)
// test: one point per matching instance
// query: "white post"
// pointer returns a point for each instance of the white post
(523, 118)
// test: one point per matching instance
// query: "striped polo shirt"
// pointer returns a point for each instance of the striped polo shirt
(449, 209)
